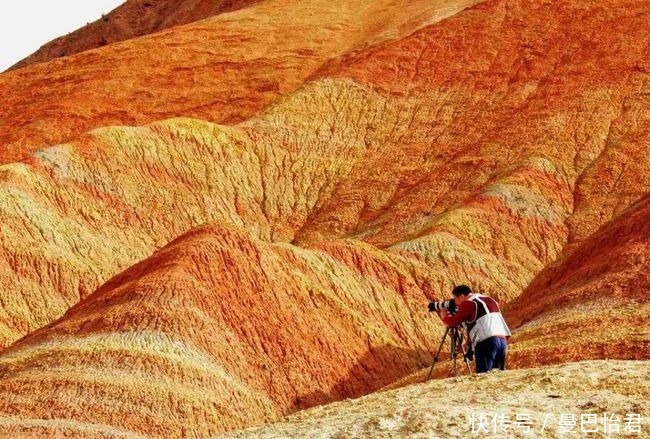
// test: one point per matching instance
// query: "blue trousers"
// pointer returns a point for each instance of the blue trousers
(490, 353)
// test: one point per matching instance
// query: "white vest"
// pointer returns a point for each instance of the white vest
(486, 326)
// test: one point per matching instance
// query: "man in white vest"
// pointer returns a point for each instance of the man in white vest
(481, 316)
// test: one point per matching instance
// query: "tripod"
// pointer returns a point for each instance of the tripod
(456, 339)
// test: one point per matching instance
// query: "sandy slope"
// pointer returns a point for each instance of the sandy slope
(444, 408)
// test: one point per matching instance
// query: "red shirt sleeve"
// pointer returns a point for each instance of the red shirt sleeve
(466, 312)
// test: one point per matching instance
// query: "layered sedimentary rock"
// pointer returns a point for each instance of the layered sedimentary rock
(132, 19)
(221, 69)
(69, 212)
(593, 302)
(217, 331)
(116, 202)
(504, 147)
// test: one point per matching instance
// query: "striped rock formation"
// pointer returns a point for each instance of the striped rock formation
(222, 69)
(216, 331)
(593, 302)
(275, 247)
(132, 19)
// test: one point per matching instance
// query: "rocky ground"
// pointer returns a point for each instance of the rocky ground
(553, 402)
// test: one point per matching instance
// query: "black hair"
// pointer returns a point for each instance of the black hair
(461, 290)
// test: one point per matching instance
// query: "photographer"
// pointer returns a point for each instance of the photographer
(481, 317)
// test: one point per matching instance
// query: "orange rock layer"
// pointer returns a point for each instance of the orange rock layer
(592, 302)
(221, 69)
(217, 331)
(206, 277)
(132, 19)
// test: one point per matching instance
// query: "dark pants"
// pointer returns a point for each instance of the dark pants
(491, 353)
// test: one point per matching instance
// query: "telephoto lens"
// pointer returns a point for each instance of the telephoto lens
(449, 305)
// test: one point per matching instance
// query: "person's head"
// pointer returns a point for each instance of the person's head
(460, 293)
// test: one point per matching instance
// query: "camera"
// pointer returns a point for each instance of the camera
(449, 305)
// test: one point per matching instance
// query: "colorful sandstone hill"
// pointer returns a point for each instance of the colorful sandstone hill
(219, 214)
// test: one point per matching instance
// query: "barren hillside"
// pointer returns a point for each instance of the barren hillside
(539, 402)
(222, 223)
(221, 69)
(132, 19)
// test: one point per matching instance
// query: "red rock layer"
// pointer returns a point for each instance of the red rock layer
(493, 212)
(132, 19)
(500, 85)
(215, 332)
(68, 212)
(222, 69)
(593, 302)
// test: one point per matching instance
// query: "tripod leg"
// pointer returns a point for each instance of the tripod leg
(460, 338)
(455, 336)
(469, 368)
(435, 359)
